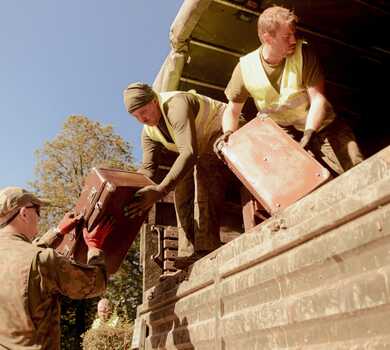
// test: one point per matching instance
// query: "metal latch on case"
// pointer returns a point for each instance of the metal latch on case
(92, 194)
(98, 206)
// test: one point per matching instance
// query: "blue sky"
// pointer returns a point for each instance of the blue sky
(73, 57)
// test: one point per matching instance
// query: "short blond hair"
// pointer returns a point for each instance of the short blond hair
(271, 19)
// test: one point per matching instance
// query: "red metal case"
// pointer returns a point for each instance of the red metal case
(272, 166)
(106, 192)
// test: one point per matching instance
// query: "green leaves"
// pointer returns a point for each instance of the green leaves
(63, 163)
(118, 338)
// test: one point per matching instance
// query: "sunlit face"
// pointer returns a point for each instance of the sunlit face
(148, 114)
(284, 42)
(104, 310)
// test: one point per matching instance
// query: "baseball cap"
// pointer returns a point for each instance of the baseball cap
(14, 198)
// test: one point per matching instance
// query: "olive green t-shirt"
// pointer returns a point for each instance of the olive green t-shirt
(311, 75)
(181, 111)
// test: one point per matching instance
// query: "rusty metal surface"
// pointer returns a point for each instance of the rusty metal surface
(273, 167)
(106, 192)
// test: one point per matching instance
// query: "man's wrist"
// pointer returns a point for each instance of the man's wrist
(57, 231)
(164, 190)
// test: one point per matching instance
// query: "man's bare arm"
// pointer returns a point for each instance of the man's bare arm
(317, 112)
(231, 116)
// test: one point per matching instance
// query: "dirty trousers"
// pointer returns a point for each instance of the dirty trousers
(335, 146)
(199, 199)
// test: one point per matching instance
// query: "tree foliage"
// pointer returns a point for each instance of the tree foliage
(118, 338)
(62, 165)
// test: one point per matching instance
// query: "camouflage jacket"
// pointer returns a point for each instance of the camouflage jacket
(32, 278)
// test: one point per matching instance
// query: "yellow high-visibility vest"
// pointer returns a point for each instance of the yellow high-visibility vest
(287, 107)
(204, 120)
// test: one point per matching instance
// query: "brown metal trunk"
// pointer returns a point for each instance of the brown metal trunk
(275, 169)
(105, 194)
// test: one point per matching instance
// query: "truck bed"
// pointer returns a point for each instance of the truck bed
(315, 276)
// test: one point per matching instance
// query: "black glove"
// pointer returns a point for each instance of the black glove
(306, 138)
(217, 144)
(145, 198)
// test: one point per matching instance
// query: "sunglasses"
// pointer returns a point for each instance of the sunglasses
(37, 209)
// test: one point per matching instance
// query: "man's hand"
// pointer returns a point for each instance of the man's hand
(217, 144)
(68, 223)
(145, 198)
(306, 138)
(97, 236)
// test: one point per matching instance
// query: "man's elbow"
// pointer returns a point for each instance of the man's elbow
(235, 107)
(231, 116)
(190, 155)
(319, 102)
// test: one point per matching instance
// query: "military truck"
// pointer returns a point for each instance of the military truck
(315, 275)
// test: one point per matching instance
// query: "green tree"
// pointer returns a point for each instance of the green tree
(62, 165)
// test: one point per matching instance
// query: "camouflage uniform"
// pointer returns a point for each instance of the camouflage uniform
(33, 278)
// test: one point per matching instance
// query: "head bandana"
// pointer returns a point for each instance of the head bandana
(137, 95)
